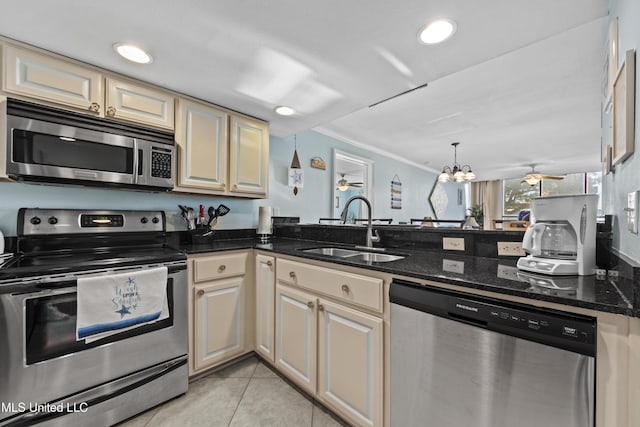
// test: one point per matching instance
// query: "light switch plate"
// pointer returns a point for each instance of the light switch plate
(453, 243)
(632, 211)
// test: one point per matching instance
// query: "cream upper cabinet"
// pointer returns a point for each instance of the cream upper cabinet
(296, 336)
(47, 78)
(248, 156)
(350, 363)
(220, 153)
(69, 84)
(138, 103)
(218, 309)
(201, 138)
(265, 306)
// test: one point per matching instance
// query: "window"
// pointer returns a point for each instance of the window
(517, 195)
(571, 184)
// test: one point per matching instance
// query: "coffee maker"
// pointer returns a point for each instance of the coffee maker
(562, 237)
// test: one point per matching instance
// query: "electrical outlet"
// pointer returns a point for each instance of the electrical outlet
(510, 249)
(453, 243)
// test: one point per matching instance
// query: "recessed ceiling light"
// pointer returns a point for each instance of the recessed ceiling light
(283, 110)
(437, 31)
(132, 53)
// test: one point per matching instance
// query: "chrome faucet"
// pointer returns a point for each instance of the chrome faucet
(371, 238)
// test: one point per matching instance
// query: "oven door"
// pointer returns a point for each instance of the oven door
(40, 149)
(42, 361)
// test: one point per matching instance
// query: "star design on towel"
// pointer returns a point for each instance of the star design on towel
(131, 280)
(124, 310)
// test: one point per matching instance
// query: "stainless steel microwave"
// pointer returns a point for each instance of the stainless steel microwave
(55, 146)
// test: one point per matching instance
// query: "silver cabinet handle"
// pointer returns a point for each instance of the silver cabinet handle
(200, 292)
(310, 304)
(111, 111)
(94, 107)
(269, 264)
(292, 274)
(222, 268)
(320, 307)
(345, 289)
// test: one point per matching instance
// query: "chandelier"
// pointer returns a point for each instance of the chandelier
(456, 173)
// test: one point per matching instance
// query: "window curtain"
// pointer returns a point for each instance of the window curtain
(487, 194)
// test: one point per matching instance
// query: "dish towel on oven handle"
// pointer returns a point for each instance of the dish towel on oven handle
(110, 304)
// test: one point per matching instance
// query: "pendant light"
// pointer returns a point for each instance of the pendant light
(456, 173)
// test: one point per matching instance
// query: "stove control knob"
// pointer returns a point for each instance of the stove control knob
(35, 220)
(155, 220)
(144, 220)
(53, 220)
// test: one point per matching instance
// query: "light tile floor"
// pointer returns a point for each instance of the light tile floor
(246, 394)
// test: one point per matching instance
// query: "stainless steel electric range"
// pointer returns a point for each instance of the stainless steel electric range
(48, 375)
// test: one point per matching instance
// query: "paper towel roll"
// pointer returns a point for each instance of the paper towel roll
(264, 220)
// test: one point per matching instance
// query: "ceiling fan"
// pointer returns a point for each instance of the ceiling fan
(344, 185)
(533, 177)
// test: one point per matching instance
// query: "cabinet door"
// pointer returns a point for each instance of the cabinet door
(140, 104)
(249, 156)
(350, 369)
(49, 79)
(265, 306)
(218, 327)
(296, 336)
(201, 138)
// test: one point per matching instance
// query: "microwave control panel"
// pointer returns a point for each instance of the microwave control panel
(160, 164)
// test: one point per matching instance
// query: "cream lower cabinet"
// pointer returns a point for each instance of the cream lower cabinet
(265, 306)
(350, 356)
(328, 348)
(296, 336)
(218, 309)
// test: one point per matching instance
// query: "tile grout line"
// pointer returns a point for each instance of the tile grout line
(243, 393)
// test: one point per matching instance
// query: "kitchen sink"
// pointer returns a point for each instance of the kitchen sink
(355, 255)
(374, 257)
(336, 252)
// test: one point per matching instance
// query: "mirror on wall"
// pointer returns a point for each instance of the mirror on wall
(352, 175)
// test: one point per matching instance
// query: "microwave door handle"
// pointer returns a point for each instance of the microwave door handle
(135, 161)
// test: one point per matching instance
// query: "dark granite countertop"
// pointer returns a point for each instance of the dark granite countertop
(498, 275)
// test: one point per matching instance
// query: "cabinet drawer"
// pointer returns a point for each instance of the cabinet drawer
(219, 266)
(352, 288)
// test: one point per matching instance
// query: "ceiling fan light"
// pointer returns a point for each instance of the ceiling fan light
(470, 175)
(444, 177)
(343, 185)
(532, 181)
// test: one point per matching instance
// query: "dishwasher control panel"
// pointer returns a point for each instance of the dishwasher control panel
(555, 328)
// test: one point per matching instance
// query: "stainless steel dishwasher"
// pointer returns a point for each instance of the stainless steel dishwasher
(463, 360)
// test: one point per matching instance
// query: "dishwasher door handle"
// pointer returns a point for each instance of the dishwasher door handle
(468, 320)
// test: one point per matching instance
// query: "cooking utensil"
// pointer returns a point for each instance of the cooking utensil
(189, 215)
(222, 210)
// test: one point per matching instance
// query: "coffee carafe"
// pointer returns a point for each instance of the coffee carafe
(562, 238)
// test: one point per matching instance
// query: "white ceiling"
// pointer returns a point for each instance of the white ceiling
(519, 82)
